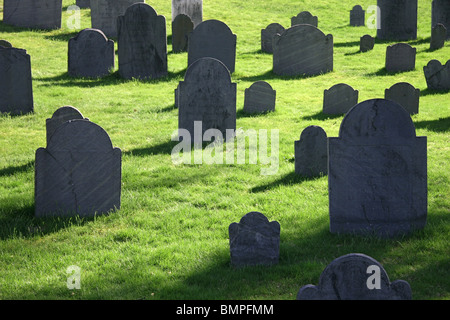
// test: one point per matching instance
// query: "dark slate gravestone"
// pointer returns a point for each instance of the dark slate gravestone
(400, 57)
(311, 152)
(207, 95)
(214, 39)
(437, 75)
(254, 241)
(84, 3)
(42, 14)
(267, 36)
(377, 172)
(142, 43)
(302, 50)
(78, 173)
(339, 99)
(61, 116)
(357, 16)
(182, 25)
(355, 276)
(438, 36)
(398, 20)
(91, 54)
(305, 17)
(405, 95)
(192, 8)
(366, 43)
(259, 98)
(440, 13)
(5, 44)
(16, 90)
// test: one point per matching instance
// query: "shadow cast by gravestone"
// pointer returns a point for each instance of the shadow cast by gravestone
(12, 170)
(286, 180)
(160, 148)
(322, 116)
(242, 114)
(268, 75)
(438, 125)
(383, 72)
(6, 28)
(64, 37)
(428, 92)
(347, 44)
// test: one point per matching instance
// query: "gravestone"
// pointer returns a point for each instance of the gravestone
(437, 75)
(438, 36)
(192, 8)
(90, 54)
(377, 172)
(305, 17)
(5, 44)
(214, 39)
(440, 13)
(142, 43)
(339, 99)
(311, 152)
(259, 98)
(42, 14)
(254, 241)
(182, 25)
(207, 95)
(398, 20)
(267, 36)
(104, 14)
(78, 173)
(357, 16)
(60, 116)
(16, 90)
(355, 276)
(405, 95)
(302, 50)
(366, 43)
(400, 57)
(84, 3)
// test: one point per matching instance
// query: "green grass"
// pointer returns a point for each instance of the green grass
(170, 238)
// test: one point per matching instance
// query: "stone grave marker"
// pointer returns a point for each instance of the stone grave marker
(438, 36)
(405, 95)
(437, 75)
(311, 152)
(366, 43)
(267, 36)
(339, 99)
(5, 44)
(42, 14)
(259, 98)
(60, 116)
(400, 57)
(182, 25)
(192, 8)
(305, 17)
(357, 16)
(84, 3)
(440, 13)
(398, 20)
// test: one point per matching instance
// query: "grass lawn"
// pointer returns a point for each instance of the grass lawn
(169, 240)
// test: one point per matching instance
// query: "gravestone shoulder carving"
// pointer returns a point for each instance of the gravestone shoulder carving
(267, 36)
(305, 17)
(357, 16)
(60, 116)
(405, 95)
(339, 99)
(437, 75)
(259, 98)
(311, 150)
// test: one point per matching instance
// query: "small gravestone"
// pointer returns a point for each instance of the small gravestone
(254, 241)
(78, 173)
(142, 43)
(5, 44)
(42, 14)
(302, 50)
(16, 90)
(192, 8)
(437, 75)
(398, 20)
(305, 17)
(84, 3)
(59, 117)
(357, 16)
(438, 36)
(259, 98)
(366, 43)
(182, 25)
(267, 36)
(311, 150)
(440, 13)
(400, 57)
(214, 39)
(339, 99)
(91, 54)
(355, 276)
(405, 95)
(377, 172)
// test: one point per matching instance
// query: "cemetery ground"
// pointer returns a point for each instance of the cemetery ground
(169, 240)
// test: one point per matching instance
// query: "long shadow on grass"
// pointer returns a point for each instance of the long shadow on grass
(268, 75)
(12, 170)
(161, 148)
(286, 180)
(439, 125)
(430, 92)
(322, 116)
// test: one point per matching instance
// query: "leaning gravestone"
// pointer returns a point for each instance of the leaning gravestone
(267, 36)
(78, 173)
(438, 36)
(60, 116)
(5, 44)
(400, 57)
(377, 172)
(437, 75)
(42, 14)
(192, 8)
(305, 17)
(16, 90)
(357, 16)
(355, 276)
(302, 50)
(254, 241)
(91, 54)
(405, 95)
(440, 13)
(366, 43)
(182, 25)
(214, 39)
(259, 98)
(84, 3)
(142, 43)
(398, 20)
(311, 152)
(339, 99)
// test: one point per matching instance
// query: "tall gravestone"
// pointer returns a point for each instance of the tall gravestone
(437, 75)
(259, 98)
(366, 43)
(60, 116)
(311, 152)
(84, 3)
(377, 172)
(192, 8)
(400, 57)
(357, 16)
(398, 20)
(405, 95)
(142, 43)
(16, 89)
(78, 173)
(36, 14)
(438, 36)
(302, 50)
(305, 17)
(440, 13)
(182, 25)
(267, 36)
(339, 99)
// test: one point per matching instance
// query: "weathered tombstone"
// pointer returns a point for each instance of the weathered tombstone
(400, 57)
(254, 241)
(60, 116)
(302, 50)
(339, 99)
(305, 17)
(437, 75)
(207, 95)
(440, 13)
(78, 173)
(355, 276)
(90, 54)
(104, 14)
(311, 152)
(214, 39)
(42, 14)
(259, 98)
(142, 43)
(398, 20)
(377, 172)
(366, 43)
(438, 36)
(267, 36)
(405, 95)
(182, 25)
(357, 16)
(192, 8)
(84, 3)
(16, 90)
(5, 44)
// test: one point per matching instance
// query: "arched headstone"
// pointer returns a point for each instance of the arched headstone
(440, 13)
(400, 57)
(60, 116)
(259, 98)
(267, 36)
(305, 17)
(357, 16)
(437, 75)
(192, 8)
(339, 99)
(182, 25)
(405, 95)
(366, 43)
(5, 44)
(438, 36)
(311, 158)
